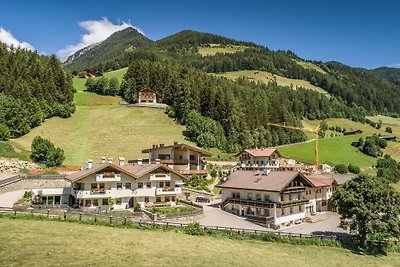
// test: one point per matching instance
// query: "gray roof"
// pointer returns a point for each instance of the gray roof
(275, 181)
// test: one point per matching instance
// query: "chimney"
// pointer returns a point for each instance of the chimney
(121, 161)
(157, 161)
(89, 163)
(175, 142)
(154, 146)
(161, 145)
(139, 162)
(103, 160)
(109, 160)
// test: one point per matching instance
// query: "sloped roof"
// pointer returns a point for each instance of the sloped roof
(180, 146)
(261, 152)
(135, 171)
(275, 181)
(320, 180)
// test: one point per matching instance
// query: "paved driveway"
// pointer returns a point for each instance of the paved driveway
(213, 216)
(9, 198)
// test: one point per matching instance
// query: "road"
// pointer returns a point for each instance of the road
(9, 198)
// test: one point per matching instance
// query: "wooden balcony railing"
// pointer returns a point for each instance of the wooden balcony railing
(192, 172)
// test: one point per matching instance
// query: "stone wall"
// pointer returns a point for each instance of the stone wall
(28, 184)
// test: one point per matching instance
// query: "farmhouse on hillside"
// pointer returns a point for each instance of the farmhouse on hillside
(182, 158)
(120, 186)
(147, 95)
(259, 159)
(320, 193)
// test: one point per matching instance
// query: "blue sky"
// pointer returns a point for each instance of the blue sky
(357, 33)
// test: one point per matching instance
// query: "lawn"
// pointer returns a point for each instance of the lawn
(100, 127)
(332, 150)
(310, 66)
(265, 77)
(216, 48)
(46, 243)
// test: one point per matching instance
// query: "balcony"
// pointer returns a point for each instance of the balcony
(145, 192)
(192, 172)
(264, 204)
(160, 177)
(294, 189)
(291, 203)
(102, 178)
(169, 191)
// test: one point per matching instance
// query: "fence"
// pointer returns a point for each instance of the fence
(133, 220)
(10, 180)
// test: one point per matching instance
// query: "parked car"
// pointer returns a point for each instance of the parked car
(202, 199)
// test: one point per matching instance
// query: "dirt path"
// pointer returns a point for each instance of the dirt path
(9, 198)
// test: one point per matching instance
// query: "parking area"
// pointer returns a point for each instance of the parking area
(9, 198)
(213, 216)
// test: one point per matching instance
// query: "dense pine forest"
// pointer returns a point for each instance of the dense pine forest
(230, 115)
(32, 88)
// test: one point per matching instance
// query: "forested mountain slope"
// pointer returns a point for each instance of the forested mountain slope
(32, 88)
(110, 49)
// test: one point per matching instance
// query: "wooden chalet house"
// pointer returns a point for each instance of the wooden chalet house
(259, 159)
(182, 158)
(147, 95)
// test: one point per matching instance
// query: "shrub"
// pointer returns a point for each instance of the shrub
(136, 208)
(341, 168)
(45, 151)
(354, 169)
(194, 229)
(5, 133)
(389, 130)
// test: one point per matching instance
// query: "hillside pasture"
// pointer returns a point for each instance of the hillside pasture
(310, 66)
(266, 77)
(101, 127)
(217, 48)
(72, 244)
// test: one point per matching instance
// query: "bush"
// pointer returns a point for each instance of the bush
(341, 168)
(389, 130)
(45, 151)
(354, 169)
(194, 229)
(136, 208)
(5, 133)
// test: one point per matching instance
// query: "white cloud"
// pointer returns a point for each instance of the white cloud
(97, 31)
(9, 39)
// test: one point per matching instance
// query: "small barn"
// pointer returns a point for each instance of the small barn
(353, 132)
(147, 95)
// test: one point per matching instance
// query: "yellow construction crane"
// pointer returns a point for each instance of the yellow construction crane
(315, 131)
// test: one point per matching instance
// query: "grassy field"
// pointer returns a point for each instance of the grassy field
(45, 243)
(101, 127)
(216, 48)
(310, 66)
(265, 77)
(338, 149)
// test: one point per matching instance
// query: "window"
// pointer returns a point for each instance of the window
(105, 201)
(102, 186)
(167, 199)
(128, 185)
(258, 196)
(282, 198)
(283, 211)
(235, 194)
(140, 185)
(191, 157)
(249, 195)
(291, 209)
(146, 199)
(57, 200)
(299, 196)
(119, 185)
(167, 184)
(290, 197)
(158, 199)
(266, 197)
(88, 202)
(300, 208)
(173, 198)
(49, 200)
(161, 184)
(118, 201)
(148, 184)
(79, 186)
(95, 202)
(93, 186)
